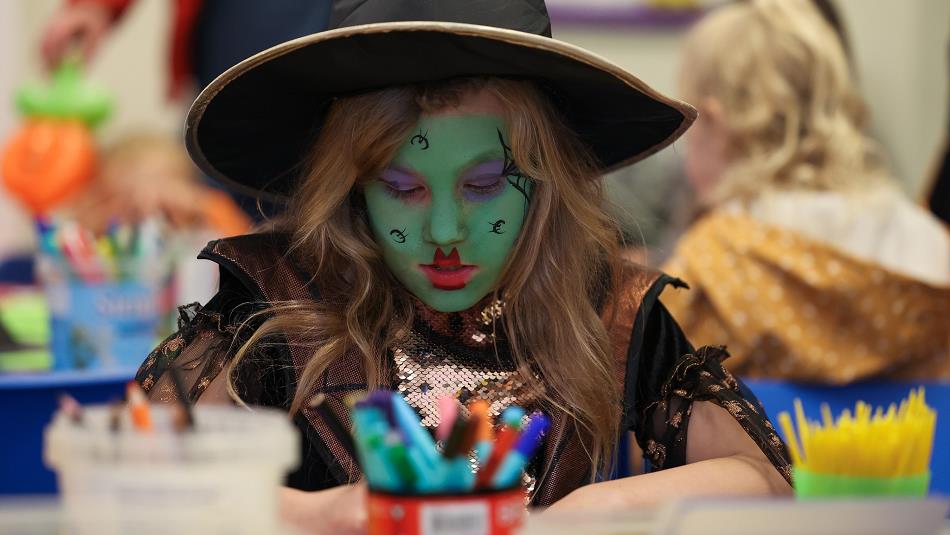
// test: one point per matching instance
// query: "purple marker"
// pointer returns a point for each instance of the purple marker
(382, 400)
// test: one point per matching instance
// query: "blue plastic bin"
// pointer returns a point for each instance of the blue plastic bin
(27, 403)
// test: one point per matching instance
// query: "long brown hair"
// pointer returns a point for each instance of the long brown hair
(563, 257)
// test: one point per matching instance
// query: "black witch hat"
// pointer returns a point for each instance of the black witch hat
(252, 126)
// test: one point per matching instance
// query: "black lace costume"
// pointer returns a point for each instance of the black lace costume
(465, 354)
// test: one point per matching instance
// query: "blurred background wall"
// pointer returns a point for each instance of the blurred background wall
(900, 51)
(901, 54)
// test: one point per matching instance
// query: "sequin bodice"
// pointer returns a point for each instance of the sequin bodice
(463, 355)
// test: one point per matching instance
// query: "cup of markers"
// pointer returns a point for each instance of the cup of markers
(169, 468)
(471, 485)
(107, 295)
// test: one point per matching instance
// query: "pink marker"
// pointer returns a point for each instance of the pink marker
(448, 412)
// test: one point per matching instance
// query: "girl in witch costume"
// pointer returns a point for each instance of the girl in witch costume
(444, 235)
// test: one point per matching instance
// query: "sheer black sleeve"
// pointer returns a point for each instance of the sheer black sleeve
(207, 338)
(669, 376)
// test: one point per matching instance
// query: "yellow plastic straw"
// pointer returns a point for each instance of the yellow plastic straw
(872, 442)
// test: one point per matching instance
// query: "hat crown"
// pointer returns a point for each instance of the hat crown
(529, 16)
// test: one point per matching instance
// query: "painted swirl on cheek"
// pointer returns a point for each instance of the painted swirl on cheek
(496, 226)
(399, 236)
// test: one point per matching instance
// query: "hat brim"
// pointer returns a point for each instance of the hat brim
(252, 126)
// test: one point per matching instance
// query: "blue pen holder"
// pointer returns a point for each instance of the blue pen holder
(109, 323)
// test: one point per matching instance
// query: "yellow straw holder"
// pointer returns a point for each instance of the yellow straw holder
(814, 485)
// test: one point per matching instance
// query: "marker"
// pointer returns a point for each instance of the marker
(471, 435)
(115, 416)
(459, 477)
(507, 436)
(369, 430)
(456, 441)
(384, 474)
(138, 407)
(513, 416)
(413, 431)
(47, 236)
(77, 249)
(333, 423)
(397, 456)
(107, 257)
(484, 434)
(383, 400)
(529, 442)
(431, 478)
(71, 408)
(448, 412)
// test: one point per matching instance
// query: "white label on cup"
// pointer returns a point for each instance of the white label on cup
(455, 519)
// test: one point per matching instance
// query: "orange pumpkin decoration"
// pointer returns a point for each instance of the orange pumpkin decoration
(48, 160)
(53, 155)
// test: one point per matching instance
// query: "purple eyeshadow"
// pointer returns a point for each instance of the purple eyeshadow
(399, 179)
(484, 181)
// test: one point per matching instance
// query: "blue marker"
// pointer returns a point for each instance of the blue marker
(459, 477)
(370, 431)
(415, 434)
(512, 417)
(430, 479)
(510, 470)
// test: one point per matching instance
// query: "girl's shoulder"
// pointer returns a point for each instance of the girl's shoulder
(632, 299)
(263, 264)
(254, 271)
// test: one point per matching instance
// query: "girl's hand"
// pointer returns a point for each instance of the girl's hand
(340, 510)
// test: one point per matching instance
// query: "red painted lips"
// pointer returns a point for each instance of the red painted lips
(447, 272)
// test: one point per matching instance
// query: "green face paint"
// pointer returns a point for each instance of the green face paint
(448, 209)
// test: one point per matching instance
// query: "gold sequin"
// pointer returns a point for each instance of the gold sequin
(425, 377)
(455, 355)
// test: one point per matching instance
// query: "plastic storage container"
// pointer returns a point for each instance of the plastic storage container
(221, 477)
(812, 485)
(106, 322)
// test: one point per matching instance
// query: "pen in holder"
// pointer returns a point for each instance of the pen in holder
(472, 485)
(107, 296)
(884, 454)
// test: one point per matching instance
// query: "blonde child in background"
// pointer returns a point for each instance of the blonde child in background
(146, 175)
(811, 263)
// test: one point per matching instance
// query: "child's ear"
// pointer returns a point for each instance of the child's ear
(710, 109)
